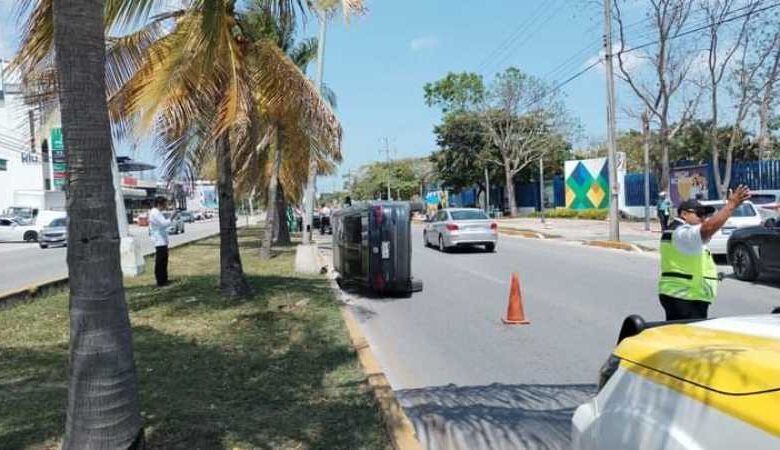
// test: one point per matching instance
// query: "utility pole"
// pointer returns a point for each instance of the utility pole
(308, 218)
(487, 191)
(541, 187)
(646, 145)
(386, 150)
(614, 225)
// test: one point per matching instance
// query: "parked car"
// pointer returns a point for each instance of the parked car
(712, 384)
(12, 231)
(55, 234)
(746, 215)
(177, 224)
(755, 250)
(187, 216)
(459, 227)
(768, 202)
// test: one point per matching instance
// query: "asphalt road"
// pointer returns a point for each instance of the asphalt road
(468, 381)
(23, 265)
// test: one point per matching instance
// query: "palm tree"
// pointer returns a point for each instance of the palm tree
(259, 24)
(206, 88)
(103, 407)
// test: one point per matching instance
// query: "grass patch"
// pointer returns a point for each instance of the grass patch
(272, 371)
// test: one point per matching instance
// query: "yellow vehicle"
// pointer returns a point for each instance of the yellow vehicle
(712, 384)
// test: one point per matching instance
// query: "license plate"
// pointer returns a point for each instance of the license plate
(385, 250)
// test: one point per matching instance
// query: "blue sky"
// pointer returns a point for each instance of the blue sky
(378, 63)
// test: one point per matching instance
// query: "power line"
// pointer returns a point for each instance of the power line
(702, 28)
(512, 36)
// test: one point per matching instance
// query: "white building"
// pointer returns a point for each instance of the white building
(24, 157)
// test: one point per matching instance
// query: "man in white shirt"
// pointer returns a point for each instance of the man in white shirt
(324, 218)
(689, 279)
(158, 230)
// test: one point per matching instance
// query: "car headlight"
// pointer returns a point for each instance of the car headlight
(607, 370)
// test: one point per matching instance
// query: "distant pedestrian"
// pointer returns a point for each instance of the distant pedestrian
(689, 278)
(158, 230)
(664, 210)
(347, 201)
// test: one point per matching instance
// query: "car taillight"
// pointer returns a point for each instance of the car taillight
(494, 226)
(452, 227)
(379, 281)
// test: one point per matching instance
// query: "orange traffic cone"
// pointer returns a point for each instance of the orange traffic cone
(514, 313)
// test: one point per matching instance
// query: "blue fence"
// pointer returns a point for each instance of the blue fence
(755, 174)
(635, 189)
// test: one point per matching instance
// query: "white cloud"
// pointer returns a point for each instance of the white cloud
(424, 43)
(633, 62)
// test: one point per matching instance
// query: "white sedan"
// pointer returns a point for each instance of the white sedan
(747, 215)
(11, 230)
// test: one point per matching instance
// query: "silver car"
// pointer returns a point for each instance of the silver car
(55, 234)
(177, 224)
(458, 227)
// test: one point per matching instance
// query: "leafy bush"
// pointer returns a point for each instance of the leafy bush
(565, 213)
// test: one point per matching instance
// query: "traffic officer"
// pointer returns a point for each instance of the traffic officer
(689, 278)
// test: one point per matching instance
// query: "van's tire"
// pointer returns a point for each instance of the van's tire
(44, 246)
(30, 236)
(743, 263)
(490, 248)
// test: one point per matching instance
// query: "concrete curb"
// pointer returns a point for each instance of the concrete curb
(615, 245)
(397, 424)
(31, 292)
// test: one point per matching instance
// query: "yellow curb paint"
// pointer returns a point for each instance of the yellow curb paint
(398, 425)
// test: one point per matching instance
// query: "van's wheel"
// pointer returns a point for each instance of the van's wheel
(30, 236)
(744, 264)
(442, 247)
(425, 240)
(490, 248)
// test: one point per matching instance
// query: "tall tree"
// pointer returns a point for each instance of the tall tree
(523, 119)
(740, 45)
(671, 61)
(103, 406)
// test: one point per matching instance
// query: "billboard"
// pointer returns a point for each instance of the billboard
(587, 182)
(59, 168)
(689, 183)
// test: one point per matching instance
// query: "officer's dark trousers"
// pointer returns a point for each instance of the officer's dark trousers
(161, 265)
(678, 309)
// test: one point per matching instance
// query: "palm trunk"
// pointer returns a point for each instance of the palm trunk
(232, 281)
(271, 217)
(282, 237)
(103, 407)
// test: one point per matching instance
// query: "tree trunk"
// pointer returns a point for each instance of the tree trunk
(282, 236)
(232, 281)
(103, 407)
(765, 110)
(665, 166)
(510, 193)
(272, 216)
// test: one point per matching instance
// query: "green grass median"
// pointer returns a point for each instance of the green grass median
(272, 371)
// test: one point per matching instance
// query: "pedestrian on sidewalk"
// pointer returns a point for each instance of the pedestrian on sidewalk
(664, 208)
(158, 230)
(689, 278)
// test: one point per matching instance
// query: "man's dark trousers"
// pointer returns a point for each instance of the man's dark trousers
(161, 265)
(678, 309)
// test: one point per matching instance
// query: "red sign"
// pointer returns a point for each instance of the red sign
(129, 181)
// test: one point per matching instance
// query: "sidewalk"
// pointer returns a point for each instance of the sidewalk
(586, 230)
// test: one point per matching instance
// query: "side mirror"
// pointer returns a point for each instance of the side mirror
(771, 223)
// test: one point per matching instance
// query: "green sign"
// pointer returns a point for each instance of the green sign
(59, 167)
(3, 164)
(56, 139)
